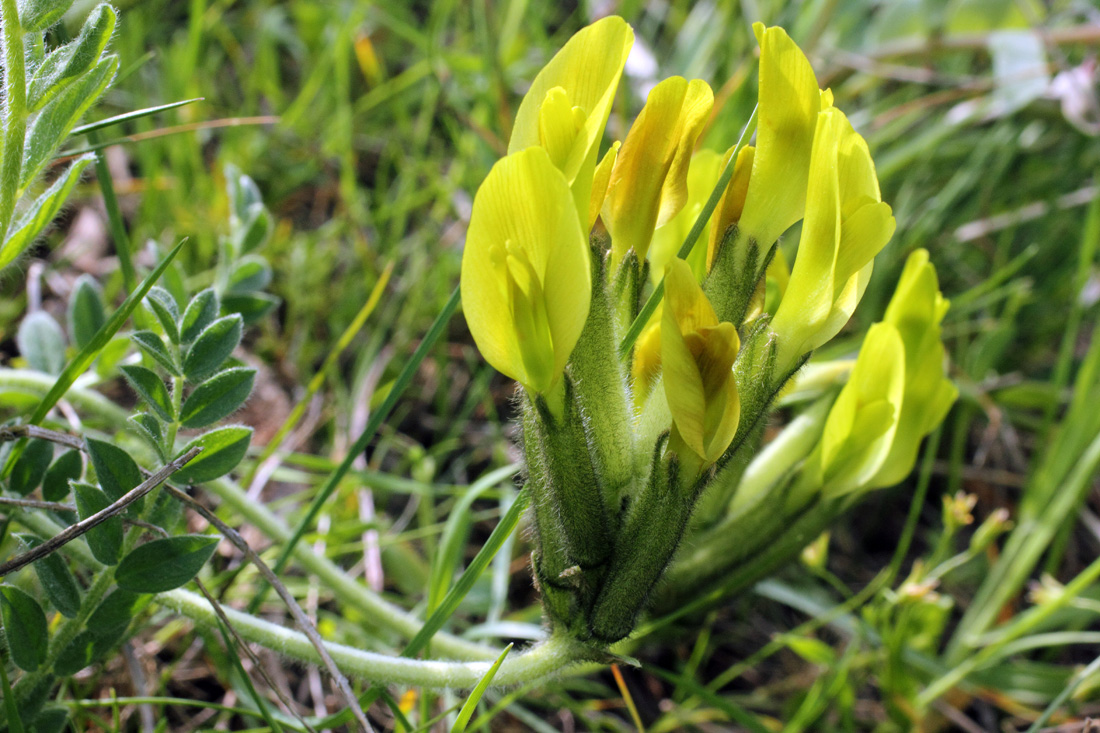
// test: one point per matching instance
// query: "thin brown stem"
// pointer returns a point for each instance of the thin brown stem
(73, 531)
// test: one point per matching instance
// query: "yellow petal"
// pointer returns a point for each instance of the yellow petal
(599, 183)
(526, 284)
(861, 425)
(789, 101)
(732, 203)
(845, 227)
(649, 182)
(697, 355)
(703, 173)
(587, 71)
(916, 311)
(646, 364)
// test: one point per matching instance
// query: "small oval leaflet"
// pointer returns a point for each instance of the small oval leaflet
(24, 628)
(166, 564)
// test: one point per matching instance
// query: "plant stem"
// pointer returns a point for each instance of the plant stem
(15, 113)
(383, 615)
(544, 659)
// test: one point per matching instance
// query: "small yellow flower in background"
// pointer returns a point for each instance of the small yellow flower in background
(526, 280)
(697, 355)
(567, 106)
(703, 173)
(862, 422)
(789, 102)
(916, 310)
(846, 225)
(649, 182)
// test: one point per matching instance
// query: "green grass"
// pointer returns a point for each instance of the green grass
(367, 162)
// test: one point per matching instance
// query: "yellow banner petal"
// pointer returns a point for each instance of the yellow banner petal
(586, 71)
(789, 101)
(526, 281)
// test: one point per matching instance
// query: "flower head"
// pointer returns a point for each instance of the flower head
(526, 281)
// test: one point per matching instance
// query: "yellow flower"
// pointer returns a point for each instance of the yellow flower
(600, 179)
(646, 365)
(862, 422)
(846, 225)
(567, 106)
(732, 204)
(697, 355)
(703, 173)
(649, 182)
(788, 104)
(916, 310)
(526, 280)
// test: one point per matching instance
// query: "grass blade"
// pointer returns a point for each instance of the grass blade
(375, 422)
(654, 300)
(470, 705)
(127, 116)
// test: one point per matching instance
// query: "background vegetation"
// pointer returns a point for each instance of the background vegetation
(368, 126)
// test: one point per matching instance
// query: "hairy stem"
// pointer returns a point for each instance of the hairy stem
(15, 113)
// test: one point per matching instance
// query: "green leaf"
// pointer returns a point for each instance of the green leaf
(24, 627)
(257, 227)
(222, 450)
(153, 345)
(57, 580)
(161, 303)
(113, 613)
(87, 313)
(251, 306)
(243, 194)
(76, 655)
(251, 273)
(87, 355)
(72, 59)
(115, 470)
(50, 720)
(166, 564)
(150, 429)
(200, 313)
(39, 214)
(58, 117)
(105, 539)
(31, 467)
(41, 342)
(212, 347)
(150, 387)
(217, 397)
(68, 467)
(470, 706)
(38, 15)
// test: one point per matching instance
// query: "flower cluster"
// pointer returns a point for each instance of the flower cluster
(626, 456)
